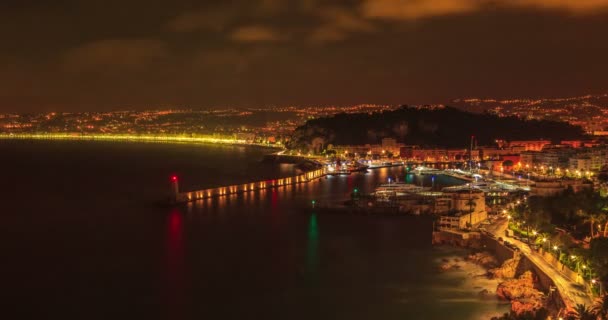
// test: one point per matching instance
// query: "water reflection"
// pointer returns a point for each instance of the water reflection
(175, 264)
(312, 256)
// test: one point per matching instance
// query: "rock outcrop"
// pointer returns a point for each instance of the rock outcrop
(485, 259)
(508, 268)
(448, 265)
(522, 293)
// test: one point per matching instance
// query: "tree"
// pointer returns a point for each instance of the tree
(581, 312)
(507, 163)
(603, 176)
(539, 217)
(600, 307)
(599, 257)
(330, 152)
(588, 217)
(594, 209)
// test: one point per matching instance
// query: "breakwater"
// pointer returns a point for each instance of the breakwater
(180, 197)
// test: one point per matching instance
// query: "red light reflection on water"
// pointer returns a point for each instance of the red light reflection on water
(175, 264)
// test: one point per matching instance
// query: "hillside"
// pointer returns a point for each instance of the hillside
(439, 127)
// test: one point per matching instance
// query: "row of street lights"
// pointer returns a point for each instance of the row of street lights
(581, 268)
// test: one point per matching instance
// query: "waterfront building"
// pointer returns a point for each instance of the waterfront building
(529, 145)
(545, 188)
(496, 153)
(580, 163)
(589, 159)
(528, 158)
(461, 221)
(456, 205)
(551, 156)
(387, 147)
(581, 143)
(415, 153)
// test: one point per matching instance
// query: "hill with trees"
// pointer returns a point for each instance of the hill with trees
(439, 127)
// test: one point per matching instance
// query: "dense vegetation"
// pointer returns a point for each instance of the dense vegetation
(446, 127)
(572, 226)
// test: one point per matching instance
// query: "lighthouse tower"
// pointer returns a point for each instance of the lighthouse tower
(174, 189)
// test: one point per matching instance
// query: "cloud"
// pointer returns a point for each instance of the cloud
(115, 53)
(327, 34)
(416, 9)
(345, 19)
(337, 25)
(256, 34)
(576, 6)
(214, 20)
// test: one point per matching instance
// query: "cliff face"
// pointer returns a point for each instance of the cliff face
(485, 259)
(508, 268)
(522, 293)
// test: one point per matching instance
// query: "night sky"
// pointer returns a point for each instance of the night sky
(117, 54)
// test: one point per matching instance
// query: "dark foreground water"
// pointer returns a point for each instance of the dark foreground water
(83, 237)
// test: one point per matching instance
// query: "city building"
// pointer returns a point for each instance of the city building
(529, 145)
(547, 188)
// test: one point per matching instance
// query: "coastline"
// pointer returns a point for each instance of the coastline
(515, 285)
(176, 139)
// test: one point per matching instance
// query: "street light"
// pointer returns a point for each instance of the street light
(584, 269)
(594, 282)
(559, 252)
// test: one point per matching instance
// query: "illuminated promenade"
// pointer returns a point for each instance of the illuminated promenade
(130, 137)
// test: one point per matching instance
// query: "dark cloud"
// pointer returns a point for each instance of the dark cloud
(416, 9)
(214, 20)
(338, 23)
(122, 54)
(256, 34)
(73, 55)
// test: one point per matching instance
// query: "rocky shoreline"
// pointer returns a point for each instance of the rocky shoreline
(522, 292)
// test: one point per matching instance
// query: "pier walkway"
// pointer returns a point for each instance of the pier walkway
(180, 197)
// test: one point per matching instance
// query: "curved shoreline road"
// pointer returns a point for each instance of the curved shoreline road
(572, 293)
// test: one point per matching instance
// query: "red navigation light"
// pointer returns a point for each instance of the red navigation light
(174, 178)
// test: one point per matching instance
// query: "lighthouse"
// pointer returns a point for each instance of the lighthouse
(174, 189)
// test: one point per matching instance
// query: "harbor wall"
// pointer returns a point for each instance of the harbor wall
(247, 187)
(544, 281)
(501, 252)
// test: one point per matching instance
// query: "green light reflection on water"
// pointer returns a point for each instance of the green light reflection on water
(312, 258)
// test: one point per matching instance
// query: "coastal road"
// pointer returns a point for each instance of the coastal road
(572, 293)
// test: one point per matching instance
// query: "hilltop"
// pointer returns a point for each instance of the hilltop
(433, 127)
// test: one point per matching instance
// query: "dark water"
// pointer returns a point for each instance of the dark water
(82, 237)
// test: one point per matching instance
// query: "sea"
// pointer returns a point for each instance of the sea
(85, 233)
